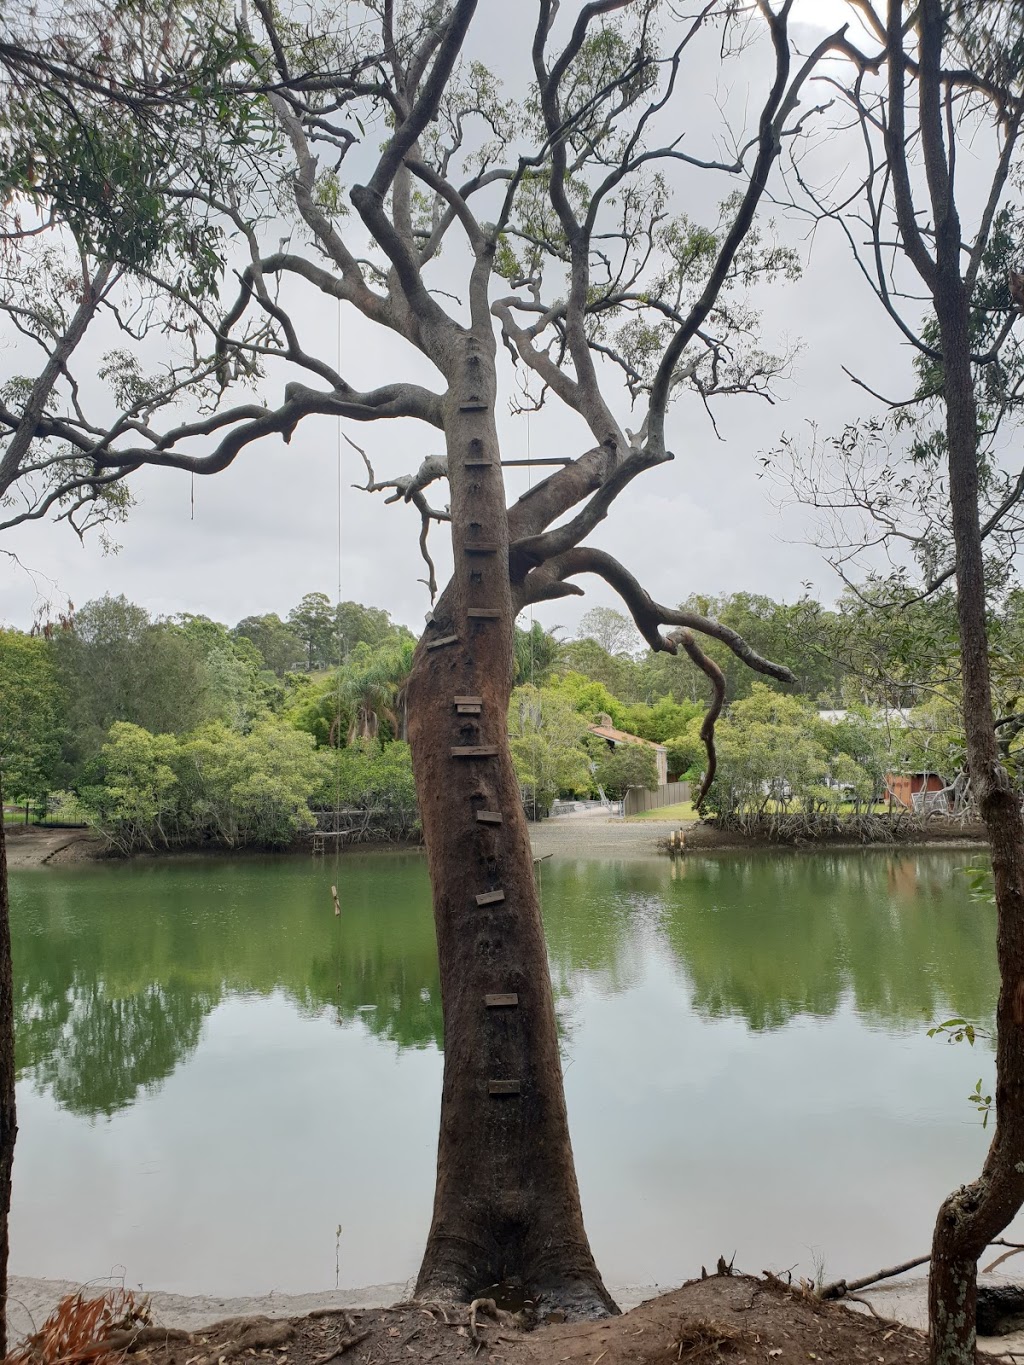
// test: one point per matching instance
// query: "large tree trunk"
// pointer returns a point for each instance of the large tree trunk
(972, 1216)
(506, 1204)
(8, 1117)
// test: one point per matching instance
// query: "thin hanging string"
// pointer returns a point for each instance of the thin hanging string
(340, 663)
(533, 688)
(192, 517)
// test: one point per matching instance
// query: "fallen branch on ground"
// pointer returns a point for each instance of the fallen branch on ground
(838, 1289)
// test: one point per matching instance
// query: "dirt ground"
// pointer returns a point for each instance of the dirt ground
(728, 1319)
(30, 846)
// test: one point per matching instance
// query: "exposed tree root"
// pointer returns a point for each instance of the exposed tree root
(345, 1344)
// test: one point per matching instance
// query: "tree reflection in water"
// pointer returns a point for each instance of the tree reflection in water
(118, 967)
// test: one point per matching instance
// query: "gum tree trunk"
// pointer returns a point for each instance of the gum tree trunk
(506, 1204)
(8, 1116)
(973, 1215)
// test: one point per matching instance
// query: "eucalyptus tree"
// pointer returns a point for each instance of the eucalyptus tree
(936, 90)
(565, 219)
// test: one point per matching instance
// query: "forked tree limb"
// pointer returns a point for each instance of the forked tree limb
(533, 550)
(409, 488)
(548, 581)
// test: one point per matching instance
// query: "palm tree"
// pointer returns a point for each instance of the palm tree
(374, 684)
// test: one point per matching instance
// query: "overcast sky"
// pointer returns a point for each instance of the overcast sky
(265, 531)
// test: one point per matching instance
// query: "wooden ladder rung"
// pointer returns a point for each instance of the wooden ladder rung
(484, 613)
(468, 701)
(503, 1087)
(445, 640)
(474, 751)
(481, 547)
(490, 898)
(489, 817)
(495, 1001)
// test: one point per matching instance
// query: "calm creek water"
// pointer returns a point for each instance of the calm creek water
(216, 1073)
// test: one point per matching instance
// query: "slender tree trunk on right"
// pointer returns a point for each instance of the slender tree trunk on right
(8, 1116)
(972, 1216)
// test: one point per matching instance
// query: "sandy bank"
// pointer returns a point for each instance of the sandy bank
(30, 846)
(30, 1300)
(576, 836)
(600, 836)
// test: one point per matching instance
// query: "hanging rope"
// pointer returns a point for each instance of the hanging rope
(340, 664)
(537, 862)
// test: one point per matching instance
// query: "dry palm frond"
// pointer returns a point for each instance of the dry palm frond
(79, 1329)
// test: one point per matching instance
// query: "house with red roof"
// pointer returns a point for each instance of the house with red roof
(613, 738)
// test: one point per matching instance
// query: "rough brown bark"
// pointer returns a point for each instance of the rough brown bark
(8, 1116)
(506, 1203)
(974, 1215)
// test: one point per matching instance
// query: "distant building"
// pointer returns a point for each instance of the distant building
(613, 738)
(891, 715)
(921, 792)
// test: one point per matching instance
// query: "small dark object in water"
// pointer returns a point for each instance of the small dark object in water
(1000, 1309)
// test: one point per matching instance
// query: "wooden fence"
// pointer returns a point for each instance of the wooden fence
(668, 794)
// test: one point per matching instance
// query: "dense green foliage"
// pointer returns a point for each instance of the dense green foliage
(31, 717)
(774, 750)
(185, 731)
(625, 766)
(181, 731)
(547, 736)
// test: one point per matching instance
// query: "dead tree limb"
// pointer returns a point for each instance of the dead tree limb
(838, 1289)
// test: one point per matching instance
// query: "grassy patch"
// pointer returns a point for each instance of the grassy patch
(682, 810)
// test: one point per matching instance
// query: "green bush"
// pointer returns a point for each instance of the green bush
(625, 766)
(374, 779)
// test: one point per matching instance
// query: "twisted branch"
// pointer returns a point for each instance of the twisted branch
(548, 581)
(409, 488)
(707, 729)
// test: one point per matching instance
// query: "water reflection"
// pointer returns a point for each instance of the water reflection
(117, 968)
(767, 938)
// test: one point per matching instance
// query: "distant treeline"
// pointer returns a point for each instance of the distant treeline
(184, 730)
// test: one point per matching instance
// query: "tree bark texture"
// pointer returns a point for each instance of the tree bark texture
(972, 1216)
(8, 1116)
(506, 1203)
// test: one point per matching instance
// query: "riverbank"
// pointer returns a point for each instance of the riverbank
(700, 838)
(752, 1320)
(561, 836)
(34, 846)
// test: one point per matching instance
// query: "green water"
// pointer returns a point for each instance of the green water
(216, 1073)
